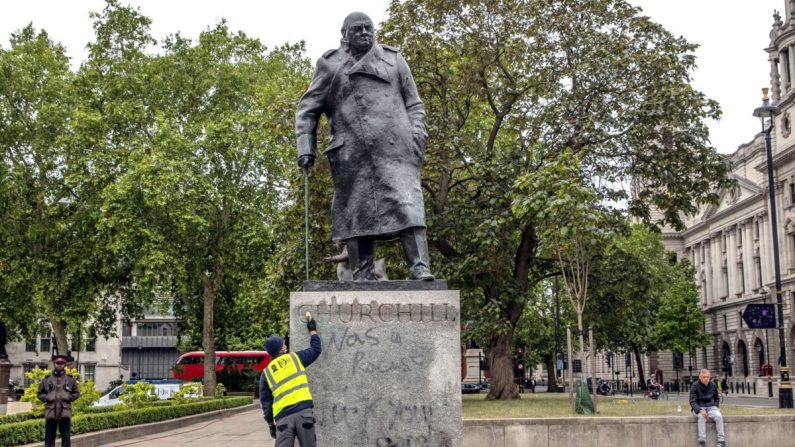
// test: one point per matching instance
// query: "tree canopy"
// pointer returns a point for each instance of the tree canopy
(510, 86)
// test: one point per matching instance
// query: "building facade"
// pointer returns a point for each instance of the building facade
(146, 349)
(730, 244)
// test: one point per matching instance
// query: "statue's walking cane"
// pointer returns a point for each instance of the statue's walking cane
(306, 220)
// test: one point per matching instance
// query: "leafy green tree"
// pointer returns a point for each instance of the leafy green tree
(574, 226)
(679, 321)
(535, 330)
(194, 206)
(628, 282)
(508, 86)
(48, 230)
(114, 121)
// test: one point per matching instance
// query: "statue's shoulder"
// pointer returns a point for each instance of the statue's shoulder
(330, 53)
(390, 48)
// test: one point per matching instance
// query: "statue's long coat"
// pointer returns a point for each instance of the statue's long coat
(378, 140)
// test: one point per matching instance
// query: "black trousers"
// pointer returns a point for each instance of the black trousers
(62, 425)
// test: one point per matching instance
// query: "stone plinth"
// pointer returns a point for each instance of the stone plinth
(5, 372)
(390, 371)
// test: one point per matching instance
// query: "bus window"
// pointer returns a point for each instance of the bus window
(190, 360)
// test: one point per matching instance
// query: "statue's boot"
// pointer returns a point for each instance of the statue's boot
(415, 249)
(360, 258)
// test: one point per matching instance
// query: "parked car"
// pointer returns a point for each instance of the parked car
(164, 389)
(15, 391)
(470, 388)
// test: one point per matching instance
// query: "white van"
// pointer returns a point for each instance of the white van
(163, 390)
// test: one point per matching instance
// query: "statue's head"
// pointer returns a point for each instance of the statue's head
(357, 30)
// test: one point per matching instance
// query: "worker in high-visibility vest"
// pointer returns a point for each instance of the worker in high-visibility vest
(284, 391)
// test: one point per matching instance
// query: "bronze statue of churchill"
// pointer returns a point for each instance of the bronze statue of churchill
(378, 142)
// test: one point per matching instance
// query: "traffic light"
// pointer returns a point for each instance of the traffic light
(520, 351)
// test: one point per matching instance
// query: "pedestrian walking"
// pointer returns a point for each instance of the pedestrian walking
(58, 390)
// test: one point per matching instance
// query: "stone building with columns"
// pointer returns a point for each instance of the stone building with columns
(729, 244)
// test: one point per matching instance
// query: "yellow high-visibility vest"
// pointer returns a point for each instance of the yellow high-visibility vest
(287, 380)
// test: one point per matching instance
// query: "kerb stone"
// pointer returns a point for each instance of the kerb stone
(390, 371)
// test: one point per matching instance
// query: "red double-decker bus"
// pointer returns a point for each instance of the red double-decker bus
(191, 364)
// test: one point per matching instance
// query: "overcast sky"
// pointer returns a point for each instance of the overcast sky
(733, 66)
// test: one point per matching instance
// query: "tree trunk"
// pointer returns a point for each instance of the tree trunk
(211, 286)
(501, 369)
(552, 374)
(581, 348)
(61, 341)
(641, 375)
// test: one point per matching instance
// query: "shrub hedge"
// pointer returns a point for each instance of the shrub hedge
(29, 431)
(17, 417)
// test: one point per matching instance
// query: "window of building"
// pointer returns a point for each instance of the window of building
(89, 371)
(44, 343)
(741, 272)
(725, 273)
(740, 319)
(30, 346)
(792, 247)
(792, 193)
(740, 235)
(126, 329)
(155, 329)
(724, 242)
(703, 253)
(758, 265)
(756, 230)
(91, 345)
(725, 323)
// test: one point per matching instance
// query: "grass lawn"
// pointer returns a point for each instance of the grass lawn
(546, 405)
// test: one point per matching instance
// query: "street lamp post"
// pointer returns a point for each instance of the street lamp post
(766, 110)
(140, 354)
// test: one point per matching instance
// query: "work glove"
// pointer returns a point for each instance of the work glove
(306, 161)
(311, 325)
(272, 428)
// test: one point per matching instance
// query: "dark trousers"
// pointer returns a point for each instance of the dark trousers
(300, 426)
(62, 425)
